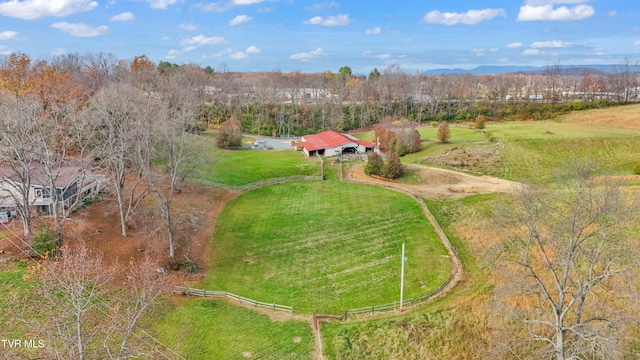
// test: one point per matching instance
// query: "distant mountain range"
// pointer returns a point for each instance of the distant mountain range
(514, 69)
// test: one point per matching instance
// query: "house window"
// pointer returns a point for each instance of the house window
(42, 193)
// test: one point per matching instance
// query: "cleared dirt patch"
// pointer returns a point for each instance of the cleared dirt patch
(444, 184)
(477, 159)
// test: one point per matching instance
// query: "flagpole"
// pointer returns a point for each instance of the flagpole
(402, 277)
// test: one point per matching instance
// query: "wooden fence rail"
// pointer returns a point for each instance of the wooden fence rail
(221, 294)
(396, 304)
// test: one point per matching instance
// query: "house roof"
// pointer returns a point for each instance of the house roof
(329, 139)
(65, 175)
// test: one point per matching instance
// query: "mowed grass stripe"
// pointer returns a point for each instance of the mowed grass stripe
(324, 245)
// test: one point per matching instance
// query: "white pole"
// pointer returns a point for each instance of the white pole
(402, 277)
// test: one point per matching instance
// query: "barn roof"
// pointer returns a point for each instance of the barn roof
(329, 139)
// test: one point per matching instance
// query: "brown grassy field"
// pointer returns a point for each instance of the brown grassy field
(623, 117)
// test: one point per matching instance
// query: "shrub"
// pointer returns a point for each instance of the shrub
(480, 122)
(374, 164)
(402, 149)
(434, 123)
(392, 169)
(230, 133)
(444, 133)
(189, 267)
(44, 241)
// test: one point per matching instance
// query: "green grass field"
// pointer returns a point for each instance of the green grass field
(242, 167)
(541, 150)
(212, 329)
(324, 245)
(12, 289)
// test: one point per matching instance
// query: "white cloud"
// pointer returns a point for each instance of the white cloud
(6, 35)
(308, 56)
(384, 56)
(160, 4)
(478, 51)
(5, 50)
(323, 6)
(514, 45)
(544, 10)
(203, 40)
(80, 29)
(549, 44)
(240, 19)
(218, 6)
(246, 2)
(58, 52)
(531, 52)
(470, 17)
(553, 2)
(35, 9)
(338, 20)
(188, 27)
(125, 16)
(173, 53)
(367, 53)
(613, 13)
(374, 31)
(238, 55)
(637, 43)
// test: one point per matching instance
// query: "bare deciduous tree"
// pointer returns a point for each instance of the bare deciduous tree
(178, 106)
(84, 313)
(73, 288)
(120, 116)
(18, 154)
(567, 258)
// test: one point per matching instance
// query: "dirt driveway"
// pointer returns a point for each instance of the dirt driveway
(444, 184)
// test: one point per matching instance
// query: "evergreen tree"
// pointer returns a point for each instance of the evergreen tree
(374, 164)
(392, 169)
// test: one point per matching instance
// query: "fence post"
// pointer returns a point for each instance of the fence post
(346, 312)
(315, 320)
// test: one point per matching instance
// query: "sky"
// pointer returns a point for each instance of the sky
(309, 36)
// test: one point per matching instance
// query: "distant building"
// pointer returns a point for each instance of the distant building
(332, 143)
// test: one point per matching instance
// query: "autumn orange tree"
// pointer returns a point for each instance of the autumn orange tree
(143, 71)
(14, 74)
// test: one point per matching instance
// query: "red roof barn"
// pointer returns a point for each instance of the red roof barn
(332, 143)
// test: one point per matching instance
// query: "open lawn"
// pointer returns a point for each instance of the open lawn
(540, 150)
(242, 167)
(212, 329)
(324, 245)
(536, 151)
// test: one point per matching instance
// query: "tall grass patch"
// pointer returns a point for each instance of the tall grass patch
(324, 245)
